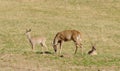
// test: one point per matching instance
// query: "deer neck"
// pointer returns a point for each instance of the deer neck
(29, 36)
(55, 41)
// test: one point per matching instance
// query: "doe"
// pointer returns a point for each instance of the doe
(36, 40)
(67, 35)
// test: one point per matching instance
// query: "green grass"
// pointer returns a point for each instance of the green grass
(97, 20)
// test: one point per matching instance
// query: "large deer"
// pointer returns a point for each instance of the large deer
(36, 40)
(67, 35)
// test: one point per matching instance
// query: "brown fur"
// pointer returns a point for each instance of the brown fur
(67, 35)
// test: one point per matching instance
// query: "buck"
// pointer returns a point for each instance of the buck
(67, 35)
(36, 40)
(92, 51)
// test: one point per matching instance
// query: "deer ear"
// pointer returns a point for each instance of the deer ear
(29, 29)
(94, 48)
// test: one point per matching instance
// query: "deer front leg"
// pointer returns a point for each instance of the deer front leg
(32, 45)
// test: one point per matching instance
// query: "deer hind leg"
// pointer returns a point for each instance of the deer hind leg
(77, 41)
(76, 48)
(81, 48)
(42, 47)
(78, 45)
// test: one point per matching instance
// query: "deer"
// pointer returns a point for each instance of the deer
(92, 51)
(36, 40)
(67, 35)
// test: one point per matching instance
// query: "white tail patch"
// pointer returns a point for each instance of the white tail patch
(79, 38)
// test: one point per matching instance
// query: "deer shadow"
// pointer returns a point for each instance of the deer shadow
(46, 52)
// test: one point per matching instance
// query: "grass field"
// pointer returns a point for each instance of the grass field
(97, 20)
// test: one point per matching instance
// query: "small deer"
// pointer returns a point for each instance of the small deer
(67, 35)
(36, 40)
(92, 51)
